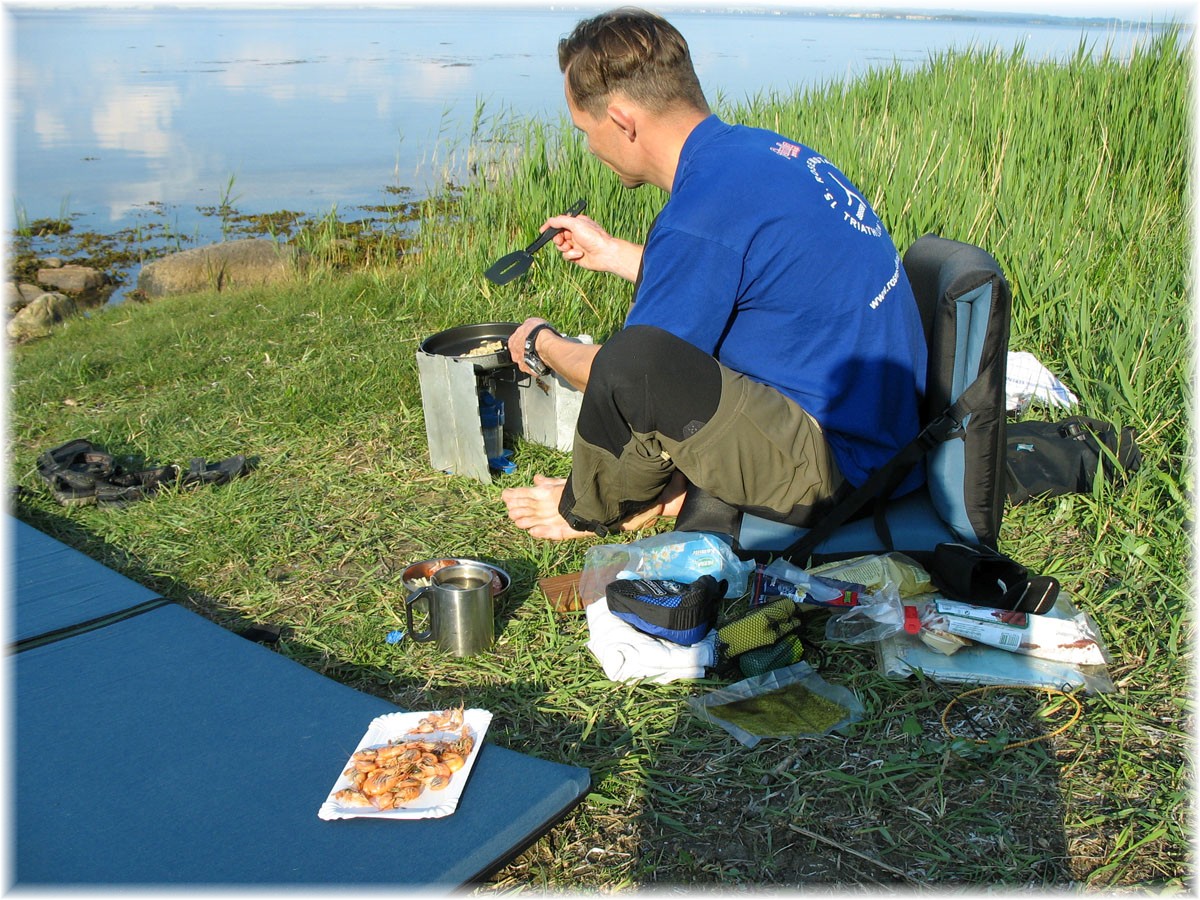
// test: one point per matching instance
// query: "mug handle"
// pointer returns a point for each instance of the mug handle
(408, 616)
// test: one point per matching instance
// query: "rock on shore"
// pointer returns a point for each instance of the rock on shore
(250, 262)
(39, 317)
(63, 291)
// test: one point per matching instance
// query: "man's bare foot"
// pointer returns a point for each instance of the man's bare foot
(535, 508)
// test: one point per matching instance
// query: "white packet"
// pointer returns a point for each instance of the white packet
(1071, 639)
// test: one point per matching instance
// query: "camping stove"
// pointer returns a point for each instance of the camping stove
(476, 401)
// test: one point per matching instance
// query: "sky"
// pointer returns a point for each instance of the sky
(1126, 9)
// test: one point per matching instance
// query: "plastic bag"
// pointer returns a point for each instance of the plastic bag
(790, 702)
(903, 654)
(783, 579)
(682, 556)
(876, 617)
(1074, 640)
(875, 571)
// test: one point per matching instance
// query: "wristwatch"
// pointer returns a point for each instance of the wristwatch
(531, 355)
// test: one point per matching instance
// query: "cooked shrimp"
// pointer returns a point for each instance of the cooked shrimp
(351, 798)
(464, 743)
(408, 790)
(381, 781)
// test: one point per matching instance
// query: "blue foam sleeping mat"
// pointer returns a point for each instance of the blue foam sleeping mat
(196, 757)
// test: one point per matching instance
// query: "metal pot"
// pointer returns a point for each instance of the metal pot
(458, 342)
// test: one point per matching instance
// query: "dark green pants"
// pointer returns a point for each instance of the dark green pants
(655, 404)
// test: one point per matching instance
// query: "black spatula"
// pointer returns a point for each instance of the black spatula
(515, 264)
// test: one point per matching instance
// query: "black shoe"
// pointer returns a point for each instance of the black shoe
(126, 488)
(72, 470)
(200, 472)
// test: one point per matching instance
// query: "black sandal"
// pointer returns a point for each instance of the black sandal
(80, 474)
(129, 487)
(73, 469)
(72, 490)
(200, 472)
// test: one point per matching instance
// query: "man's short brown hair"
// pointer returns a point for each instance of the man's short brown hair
(632, 52)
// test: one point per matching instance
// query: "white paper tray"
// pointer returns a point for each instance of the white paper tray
(430, 804)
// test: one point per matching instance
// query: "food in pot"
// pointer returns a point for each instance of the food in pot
(486, 348)
(420, 575)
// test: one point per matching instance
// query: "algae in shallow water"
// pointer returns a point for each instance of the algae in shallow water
(792, 709)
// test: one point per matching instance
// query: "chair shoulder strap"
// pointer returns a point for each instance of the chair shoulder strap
(883, 480)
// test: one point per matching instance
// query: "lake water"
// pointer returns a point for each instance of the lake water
(118, 115)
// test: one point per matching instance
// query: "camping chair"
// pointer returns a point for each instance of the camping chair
(965, 306)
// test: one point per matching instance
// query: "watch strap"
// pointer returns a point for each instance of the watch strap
(531, 354)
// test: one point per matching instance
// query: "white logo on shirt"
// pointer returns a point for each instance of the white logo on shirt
(840, 196)
(887, 288)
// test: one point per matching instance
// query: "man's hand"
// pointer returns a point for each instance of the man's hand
(516, 342)
(585, 243)
(566, 356)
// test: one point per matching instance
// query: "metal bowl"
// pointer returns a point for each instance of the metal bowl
(418, 574)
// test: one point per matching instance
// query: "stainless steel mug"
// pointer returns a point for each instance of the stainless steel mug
(459, 599)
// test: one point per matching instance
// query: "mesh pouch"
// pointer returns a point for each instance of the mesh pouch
(787, 650)
(761, 628)
(681, 613)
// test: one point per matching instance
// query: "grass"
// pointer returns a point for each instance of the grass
(1075, 176)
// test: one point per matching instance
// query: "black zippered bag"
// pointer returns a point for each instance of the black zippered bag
(1046, 459)
(986, 577)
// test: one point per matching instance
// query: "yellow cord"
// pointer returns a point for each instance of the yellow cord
(1041, 737)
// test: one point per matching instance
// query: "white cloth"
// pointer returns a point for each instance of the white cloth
(1028, 380)
(627, 654)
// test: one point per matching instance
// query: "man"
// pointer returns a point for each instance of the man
(773, 356)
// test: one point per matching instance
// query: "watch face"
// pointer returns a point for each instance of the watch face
(531, 355)
(535, 363)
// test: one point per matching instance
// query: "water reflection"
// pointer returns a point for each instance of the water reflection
(136, 120)
(122, 111)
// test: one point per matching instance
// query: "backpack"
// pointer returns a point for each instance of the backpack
(965, 305)
(1045, 459)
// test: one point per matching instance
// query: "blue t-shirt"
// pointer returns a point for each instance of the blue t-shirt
(767, 257)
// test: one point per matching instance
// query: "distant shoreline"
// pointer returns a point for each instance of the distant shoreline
(942, 15)
(1183, 16)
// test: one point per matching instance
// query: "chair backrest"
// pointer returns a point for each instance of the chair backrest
(965, 306)
(966, 309)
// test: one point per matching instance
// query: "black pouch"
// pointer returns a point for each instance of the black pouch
(1045, 459)
(985, 577)
(681, 613)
